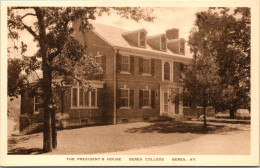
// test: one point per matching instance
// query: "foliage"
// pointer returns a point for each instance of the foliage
(224, 34)
(62, 120)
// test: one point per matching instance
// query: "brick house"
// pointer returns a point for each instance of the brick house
(140, 73)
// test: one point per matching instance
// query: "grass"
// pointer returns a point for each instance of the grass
(113, 138)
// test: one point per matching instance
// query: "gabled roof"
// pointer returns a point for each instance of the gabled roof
(134, 31)
(113, 36)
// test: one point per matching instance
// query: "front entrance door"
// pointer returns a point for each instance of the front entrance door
(165, 103)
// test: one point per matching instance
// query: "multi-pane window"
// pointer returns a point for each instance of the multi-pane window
(86, 99)
(75, 97)
(83, 98)
(98, 60)
(146, 98)
(147, 66)
(142, 39)
(125, 63)
(182, 47)
(163, 43)
(36, 104)
(124, 97)
(166, 71)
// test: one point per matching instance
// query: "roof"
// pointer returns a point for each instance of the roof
(113, 36)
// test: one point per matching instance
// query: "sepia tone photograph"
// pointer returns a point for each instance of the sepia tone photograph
(129, 84)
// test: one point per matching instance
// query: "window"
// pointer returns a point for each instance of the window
(124, 98)
(182, 47)
(125, 63)
(163, 43)
(36, 104)
(147, 66)
(74, 97)
(98, 60)
(82, 98)
(142, 39)
(181, 70)
(166, 71)
(146, 98)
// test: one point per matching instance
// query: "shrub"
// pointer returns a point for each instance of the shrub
(62, 120)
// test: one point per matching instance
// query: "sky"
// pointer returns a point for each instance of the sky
(166, 18)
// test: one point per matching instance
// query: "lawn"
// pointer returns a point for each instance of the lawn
(113, 138)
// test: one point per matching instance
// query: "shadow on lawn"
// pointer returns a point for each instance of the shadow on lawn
(25, 151)
(12, 150)
(178, 127)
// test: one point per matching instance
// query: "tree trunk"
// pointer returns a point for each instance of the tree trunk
(232, 113)
(47, 132)
(204, 118)
(54, 131)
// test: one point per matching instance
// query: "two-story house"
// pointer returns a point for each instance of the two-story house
(141, 73)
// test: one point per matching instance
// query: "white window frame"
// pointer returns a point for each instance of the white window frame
(139, 39)
(34, 105)
(149, 103)
(166, 103)
(182, 42)
(169, 71)
(128, 97)
(125, 71)
(150, 67)
(78, 99)
(96, 56)
(165, 43)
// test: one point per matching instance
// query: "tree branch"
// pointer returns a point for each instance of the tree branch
(29, 29)
(53, 55)
(21, 7)
(28, 14)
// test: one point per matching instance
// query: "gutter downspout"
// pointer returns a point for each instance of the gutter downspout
(115, 88)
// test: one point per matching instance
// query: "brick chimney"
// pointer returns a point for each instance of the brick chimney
(172, 33)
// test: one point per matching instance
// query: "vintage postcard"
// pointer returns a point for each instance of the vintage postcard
(129, 83)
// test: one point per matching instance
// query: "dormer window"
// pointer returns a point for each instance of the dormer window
(181, 47)
(163, 43)
(142, 39)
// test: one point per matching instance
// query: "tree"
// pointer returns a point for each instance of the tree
(60, 55)
(225, 34)
(201, 81)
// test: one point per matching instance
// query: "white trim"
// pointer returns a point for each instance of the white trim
(83, 108)
(146, 74)
(125, 72)
(125, 108)
(78, 98)
(150, 65)
(150, 98)
(128, 95)
(145, 39)
(149, 54)
(166, 47)
(163, 62)
(129, 64)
